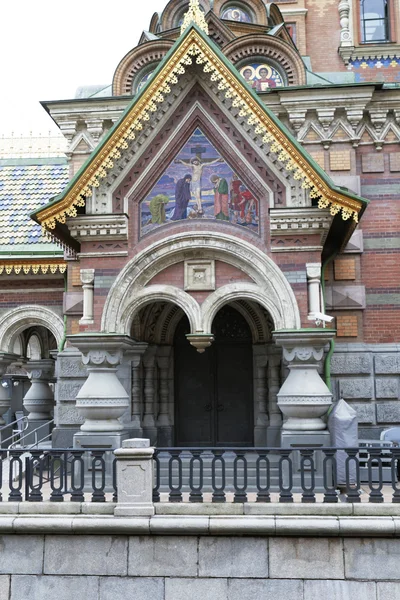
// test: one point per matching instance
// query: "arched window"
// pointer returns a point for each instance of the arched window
(236, 12)
(374, 20)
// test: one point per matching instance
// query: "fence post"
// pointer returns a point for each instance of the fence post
(134, 478)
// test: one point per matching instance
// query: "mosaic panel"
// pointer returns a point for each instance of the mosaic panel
(261, 76)
(199, 184)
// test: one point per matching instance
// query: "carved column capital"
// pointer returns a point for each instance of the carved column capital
(87, 276)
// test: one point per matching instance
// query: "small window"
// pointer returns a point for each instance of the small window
(374, 21)
(236, 13)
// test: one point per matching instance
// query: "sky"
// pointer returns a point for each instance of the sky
(49, 48)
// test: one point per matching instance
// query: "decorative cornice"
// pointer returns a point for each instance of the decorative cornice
(193, 48)
(96, 227)
(32, 267)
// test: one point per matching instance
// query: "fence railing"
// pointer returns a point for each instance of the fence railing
(55, 475)
(269, 474)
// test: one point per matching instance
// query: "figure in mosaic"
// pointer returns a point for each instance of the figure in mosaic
(197, 164)
(157, 208)
(221, 197)
(183, 196)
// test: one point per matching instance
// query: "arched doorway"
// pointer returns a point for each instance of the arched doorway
(214, 390)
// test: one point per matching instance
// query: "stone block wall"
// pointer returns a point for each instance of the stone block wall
(367, 377)
(188, 567)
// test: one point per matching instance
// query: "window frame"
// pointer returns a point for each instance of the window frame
(362, 21)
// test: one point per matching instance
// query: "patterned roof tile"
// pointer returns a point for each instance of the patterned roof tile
(24, 188)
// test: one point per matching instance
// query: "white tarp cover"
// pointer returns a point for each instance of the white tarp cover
(343, 427)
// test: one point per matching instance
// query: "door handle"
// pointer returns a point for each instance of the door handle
(208, 408)
(220, 407)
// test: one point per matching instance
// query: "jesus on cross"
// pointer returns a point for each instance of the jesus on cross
(197, 165)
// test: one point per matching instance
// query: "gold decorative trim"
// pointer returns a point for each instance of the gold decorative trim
(194, 48)
(194, 15)
(32, 268)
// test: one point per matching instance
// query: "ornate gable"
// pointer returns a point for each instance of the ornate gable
(196, 52)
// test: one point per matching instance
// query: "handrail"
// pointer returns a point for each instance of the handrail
(34, 433)
(24, 418)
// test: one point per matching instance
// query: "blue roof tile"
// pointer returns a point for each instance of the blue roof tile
(22, 190)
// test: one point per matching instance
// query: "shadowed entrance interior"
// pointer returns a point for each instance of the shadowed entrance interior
(214, 390)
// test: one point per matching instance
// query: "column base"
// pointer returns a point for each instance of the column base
(107, 440)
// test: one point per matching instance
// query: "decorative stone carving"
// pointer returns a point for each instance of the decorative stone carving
(68, 415)
(18, 319)
(387, 387)
(102, 400)
(201, 341)
(304, 397)
(350, 363)
(199, 275)
(387, 364)
(346, 37)
(5, 400)
(39, 399)
(87, 279)
(68, 390)
(97, 227)
(356, 388)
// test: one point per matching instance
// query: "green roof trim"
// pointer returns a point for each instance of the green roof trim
(233, 71)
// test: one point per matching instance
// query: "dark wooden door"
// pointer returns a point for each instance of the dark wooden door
(214, 390)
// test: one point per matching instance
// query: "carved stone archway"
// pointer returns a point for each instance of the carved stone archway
(129, 292)
(16, 320)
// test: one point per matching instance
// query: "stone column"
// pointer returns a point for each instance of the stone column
(135, 358)
(39, 399)
(261, 390)
(164, 437)
(275, 415)
(5, 398)
(87, 279)
(135, 479)
(149, 422)
(314, 288)
(102, 400)
(304, 397)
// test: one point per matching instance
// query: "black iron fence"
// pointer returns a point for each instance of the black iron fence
(269, 474)
(208, 475)
(55, 475)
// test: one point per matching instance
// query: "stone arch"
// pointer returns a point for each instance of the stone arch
(270, 289)
(239, 291)
(275, 49)
(16, 320)
(137, 59)
(153, 293)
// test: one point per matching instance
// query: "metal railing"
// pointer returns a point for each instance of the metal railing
(37, 475)
(258, 474)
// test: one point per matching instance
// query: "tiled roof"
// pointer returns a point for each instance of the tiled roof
(24, 188)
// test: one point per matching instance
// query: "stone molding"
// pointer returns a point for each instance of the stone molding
(250, 519)
(13, 322)
(304, 221)
(271, 288)
(98, 227)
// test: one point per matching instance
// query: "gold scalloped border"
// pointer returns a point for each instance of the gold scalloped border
(195, 49)
(29, 268)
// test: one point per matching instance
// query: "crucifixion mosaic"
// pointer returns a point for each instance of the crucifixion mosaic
(199, 184)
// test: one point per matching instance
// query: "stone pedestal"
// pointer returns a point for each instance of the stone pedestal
(304, 397)
(135, 479)
(5, 399)
(102, 400)
(39, 399)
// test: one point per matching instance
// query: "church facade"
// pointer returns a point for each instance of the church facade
(219, 265)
